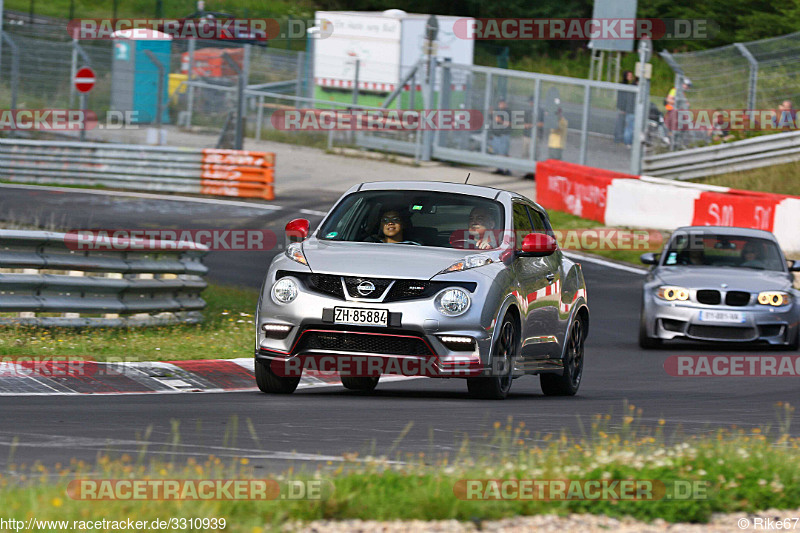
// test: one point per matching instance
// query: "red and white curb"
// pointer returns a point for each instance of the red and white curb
(42, 377)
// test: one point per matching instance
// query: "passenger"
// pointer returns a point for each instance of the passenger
(481, 224)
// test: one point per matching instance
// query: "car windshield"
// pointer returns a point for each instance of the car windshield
(723, 250)
(425, 218)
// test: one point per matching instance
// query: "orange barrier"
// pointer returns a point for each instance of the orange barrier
(239, 173)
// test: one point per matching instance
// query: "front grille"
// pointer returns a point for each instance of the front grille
(737, 298)
(370, 343)
(326, 284)
(379, 284)
(721, 333)
(708, 297)
(403, 289)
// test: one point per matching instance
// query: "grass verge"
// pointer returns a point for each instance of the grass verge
(564, 222)
(226, 332)
(779, 179)
(730, 470)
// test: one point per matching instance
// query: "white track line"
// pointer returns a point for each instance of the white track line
(156, 196)
(609, 264)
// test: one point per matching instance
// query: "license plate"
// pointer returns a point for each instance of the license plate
(731, 317)
(357, 316)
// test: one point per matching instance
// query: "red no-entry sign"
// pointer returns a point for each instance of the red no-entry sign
(84, 79)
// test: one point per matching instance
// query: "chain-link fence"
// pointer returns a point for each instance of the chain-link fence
(576, 120)
(754, 75)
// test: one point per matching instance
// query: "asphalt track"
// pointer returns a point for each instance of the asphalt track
(322, 424)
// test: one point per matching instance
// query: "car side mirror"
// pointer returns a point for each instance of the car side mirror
(795, 266)
(297, 230)
(537, 245)
(649, 258)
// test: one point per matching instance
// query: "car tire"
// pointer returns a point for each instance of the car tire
(568, 383)
(506, 346)
(796, 344)
(271, 383)
(365, 384)
(646, 342)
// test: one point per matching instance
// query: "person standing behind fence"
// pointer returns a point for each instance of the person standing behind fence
(501, 132)
(557, 139)
(625, 101)
(630, 114)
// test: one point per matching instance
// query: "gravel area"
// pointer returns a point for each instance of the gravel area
(584, 523)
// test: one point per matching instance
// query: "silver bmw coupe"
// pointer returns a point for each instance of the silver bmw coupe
(720, 284)
(424, 278)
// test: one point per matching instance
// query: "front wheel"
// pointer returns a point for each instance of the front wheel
(567, 384)
(646, 342)
(271, 383)
(496, 387)
(366, 384)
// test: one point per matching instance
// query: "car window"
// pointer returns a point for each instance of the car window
(539, 224)
(522, 223)
(699, 250)
(427, 218)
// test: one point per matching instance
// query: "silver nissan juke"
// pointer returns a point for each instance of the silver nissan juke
(424, 278)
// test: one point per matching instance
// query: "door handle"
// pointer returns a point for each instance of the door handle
(550, 277)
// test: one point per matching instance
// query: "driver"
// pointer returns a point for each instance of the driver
(753, 255)
(481, 222)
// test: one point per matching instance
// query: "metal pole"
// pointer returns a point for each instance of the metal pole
(300, 71)
(751, 92)
(14, 68)
(537, 98)
(72, 70)
(160, 96)
(239, 142)
(587, 99)
(487, 103)
(1, 38)
(259, 117)
(190, 95)
(355, 82)
(642, 108)
(83, 108)
(427, 135)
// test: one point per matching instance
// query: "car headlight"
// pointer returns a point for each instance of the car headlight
(670, 293)
(452, 302)
(295, 252)
(471, 261)
(284, 291)
(775, 298)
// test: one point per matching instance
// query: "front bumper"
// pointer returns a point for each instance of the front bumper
(411, 345)
(682, 320)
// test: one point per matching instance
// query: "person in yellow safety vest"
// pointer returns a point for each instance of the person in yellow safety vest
(669, 101)
(557, 139)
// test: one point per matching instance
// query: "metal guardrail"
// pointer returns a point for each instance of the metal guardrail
(42, 274)
(139, 167)
(730, 157)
